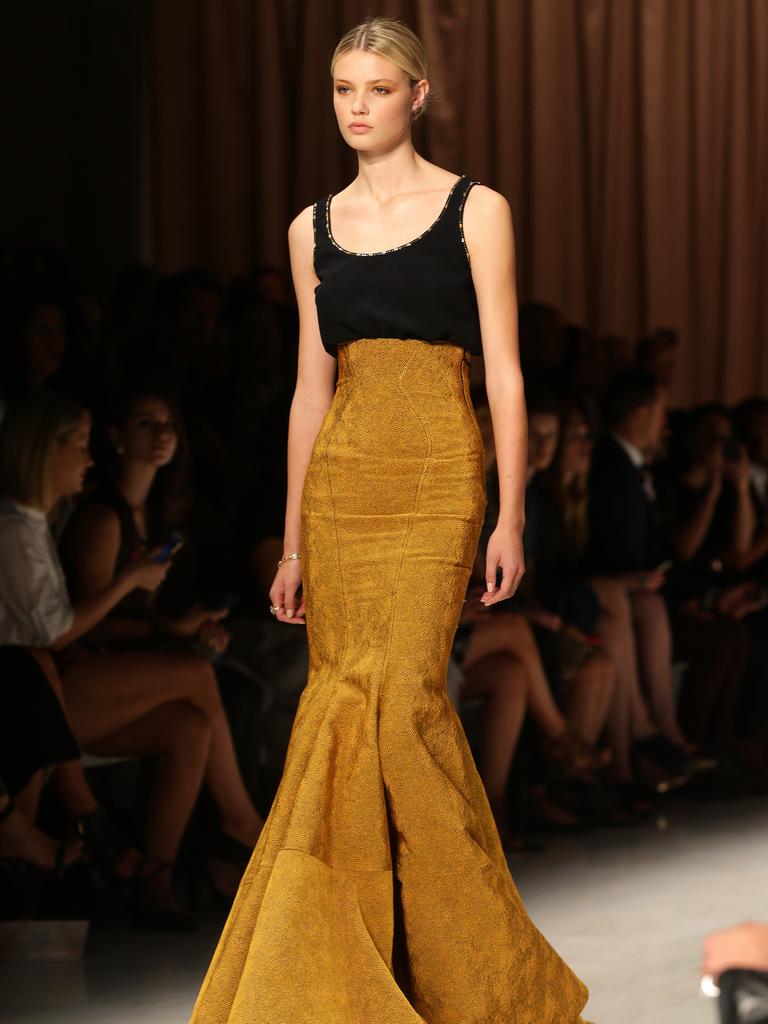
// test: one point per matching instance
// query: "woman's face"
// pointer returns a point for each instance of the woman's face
(543, 430)
(577, 446)
(46, 341)
(708, 438)
(71, 461)
(372, 100)
(149, 434)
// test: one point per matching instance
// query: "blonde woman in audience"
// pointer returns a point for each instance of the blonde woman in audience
(118, 704)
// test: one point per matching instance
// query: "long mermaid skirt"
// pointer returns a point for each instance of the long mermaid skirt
(378, 892)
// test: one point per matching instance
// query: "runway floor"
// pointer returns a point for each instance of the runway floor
(627, 908)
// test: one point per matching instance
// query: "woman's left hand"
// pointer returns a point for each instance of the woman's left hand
(505, 552)
(193, 620)
(214, 636)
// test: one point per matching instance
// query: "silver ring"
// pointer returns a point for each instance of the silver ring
(275, 608)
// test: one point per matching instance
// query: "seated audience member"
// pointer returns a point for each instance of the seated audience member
(639, 751)
(32, 684)
(561, 604)
(708, 516)
(37, 342)
(706, 496)
(34, 735)
(625, 541)
(118, 704)
(501, 662)
(139, 503)
(751, 423)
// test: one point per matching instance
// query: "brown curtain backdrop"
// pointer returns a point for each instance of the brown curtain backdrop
(630, 137)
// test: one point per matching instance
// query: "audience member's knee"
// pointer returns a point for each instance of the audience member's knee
(191, 732)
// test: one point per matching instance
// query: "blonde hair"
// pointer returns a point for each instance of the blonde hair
(32, 428)
(391, 39)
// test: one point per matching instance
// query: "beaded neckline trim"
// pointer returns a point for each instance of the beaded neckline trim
(384, 252)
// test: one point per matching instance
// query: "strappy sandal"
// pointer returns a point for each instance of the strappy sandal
(145, 913)
(16, 866)
(572, 754)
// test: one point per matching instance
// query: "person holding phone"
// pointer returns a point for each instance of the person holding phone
(132, 703)
(143, 502)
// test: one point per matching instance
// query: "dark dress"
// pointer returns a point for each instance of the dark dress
(34, 732)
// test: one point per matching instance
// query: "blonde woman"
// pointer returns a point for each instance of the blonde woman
(379, 890)
(116, 703)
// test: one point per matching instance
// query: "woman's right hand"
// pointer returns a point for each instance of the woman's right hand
(282, 593)
(147, 573)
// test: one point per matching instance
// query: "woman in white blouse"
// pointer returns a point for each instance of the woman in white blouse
(44, 455)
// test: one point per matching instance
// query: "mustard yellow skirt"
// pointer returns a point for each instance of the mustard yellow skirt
(379, 892)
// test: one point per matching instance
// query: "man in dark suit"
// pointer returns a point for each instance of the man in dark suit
(623, 535)
(624, 542)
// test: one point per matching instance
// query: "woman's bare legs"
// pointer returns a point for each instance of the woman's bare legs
(179, 734)
(654, 647)
(107, 693)
(501, 679)
(511, 633)
(590, 692)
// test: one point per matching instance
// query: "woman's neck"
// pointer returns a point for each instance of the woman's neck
(135, 481)
(384, 175)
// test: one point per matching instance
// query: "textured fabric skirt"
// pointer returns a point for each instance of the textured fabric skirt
(379, 892)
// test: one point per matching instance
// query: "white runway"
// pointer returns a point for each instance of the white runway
(627, 908)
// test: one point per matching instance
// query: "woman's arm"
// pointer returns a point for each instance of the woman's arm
(93, 544)
(489, 234)
(33, 590)
(312, 397)
(744, 519)
(688, 536)
(89, 611)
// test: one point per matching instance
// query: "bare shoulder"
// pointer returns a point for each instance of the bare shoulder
(485, 205)
(301, 228)
(487, 224)
(96, 521)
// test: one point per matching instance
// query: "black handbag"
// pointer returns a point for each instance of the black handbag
(743, 997)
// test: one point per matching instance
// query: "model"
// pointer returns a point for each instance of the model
(379, 892)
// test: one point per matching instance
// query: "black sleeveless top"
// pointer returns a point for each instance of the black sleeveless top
(422, 289)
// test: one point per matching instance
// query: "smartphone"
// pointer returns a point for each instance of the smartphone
(171, 547)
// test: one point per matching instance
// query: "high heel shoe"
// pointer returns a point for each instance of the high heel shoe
(659, 766)
(18, 865)
(141, 908)
(572, 754)
(95, 829)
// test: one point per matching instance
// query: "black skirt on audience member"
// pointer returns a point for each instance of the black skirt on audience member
(34, 732)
